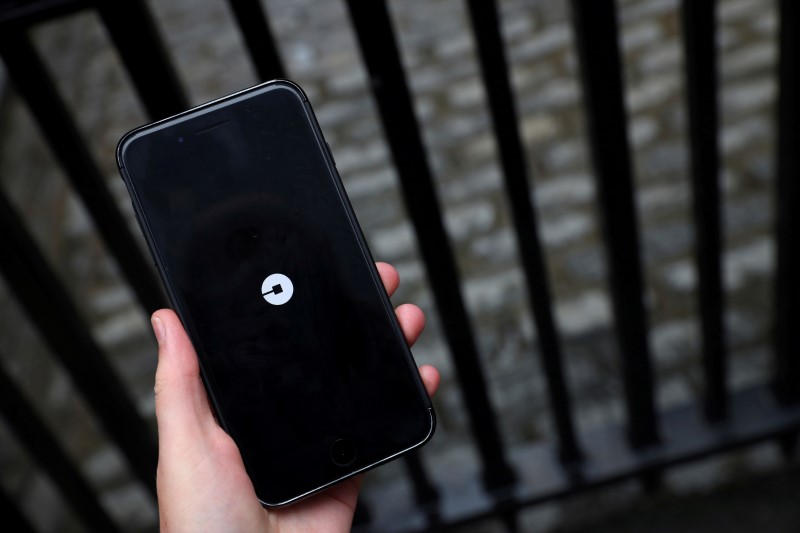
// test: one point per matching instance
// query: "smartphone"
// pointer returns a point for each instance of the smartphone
(262, 258)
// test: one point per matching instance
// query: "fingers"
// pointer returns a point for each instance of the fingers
(181, 401)
(389, 276)
(412, 321)
(431, 378)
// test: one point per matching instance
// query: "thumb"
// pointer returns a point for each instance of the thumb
(182, 408)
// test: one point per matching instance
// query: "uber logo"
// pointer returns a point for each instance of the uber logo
(277, 289)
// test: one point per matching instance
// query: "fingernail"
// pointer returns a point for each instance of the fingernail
(158, 328)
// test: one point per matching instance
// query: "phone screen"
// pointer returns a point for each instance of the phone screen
(305, 363)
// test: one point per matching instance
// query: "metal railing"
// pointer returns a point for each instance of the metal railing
(651, 442)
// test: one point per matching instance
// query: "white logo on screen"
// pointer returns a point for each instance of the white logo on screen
(277, 289)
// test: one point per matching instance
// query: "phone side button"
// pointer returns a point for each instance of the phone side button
(343, 452)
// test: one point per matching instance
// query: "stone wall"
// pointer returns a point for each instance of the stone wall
(320, 53)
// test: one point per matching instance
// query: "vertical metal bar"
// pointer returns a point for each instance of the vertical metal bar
(699, 37)
(48, 305)
(787, 443)
(252, 20)
(361, 515)
(41, 444)
(37, 89)
(424, 492)
(596, 33)
(382, 58)
(11, 517)
(787, 286)
(134, 33)
(510, 521)
(486, 27)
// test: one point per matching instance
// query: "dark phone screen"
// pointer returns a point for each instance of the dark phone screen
(241, 190)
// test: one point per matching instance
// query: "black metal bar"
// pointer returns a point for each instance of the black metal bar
(787, 281)
(252, 20)
(361, 515)
(134, 33)
(425, 493)
(788, 445)
(21, 14)
(49, 306)
(36, 87)
(699, 37)
(486, 27)
(41, 444)
(382, 58)
(11, 517)
(511, 521)
(601, 75)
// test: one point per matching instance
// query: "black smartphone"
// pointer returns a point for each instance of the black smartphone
(262, 258)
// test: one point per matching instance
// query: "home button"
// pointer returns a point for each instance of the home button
(343, 452)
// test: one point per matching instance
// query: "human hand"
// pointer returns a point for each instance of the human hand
(202, 483)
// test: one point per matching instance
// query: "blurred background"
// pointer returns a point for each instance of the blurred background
(741, 490)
